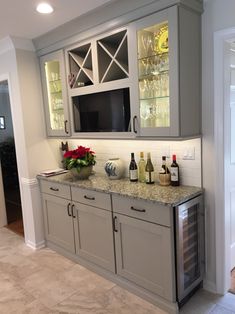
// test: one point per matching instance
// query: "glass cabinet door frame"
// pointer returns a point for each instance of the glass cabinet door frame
(55, 56)
(170, 16)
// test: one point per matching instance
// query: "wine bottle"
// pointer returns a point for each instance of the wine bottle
(149, 170)
(133, 170)
(164, 168)
(141, 168)
(174, 172)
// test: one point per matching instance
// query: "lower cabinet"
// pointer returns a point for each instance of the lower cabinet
(132, 238)
(58, 222)
(144, 254)
(80, 229)
(94, 235)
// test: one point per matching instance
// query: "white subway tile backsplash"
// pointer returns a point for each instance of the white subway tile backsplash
(190, 170)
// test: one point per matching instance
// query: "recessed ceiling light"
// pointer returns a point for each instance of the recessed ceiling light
(44, 8)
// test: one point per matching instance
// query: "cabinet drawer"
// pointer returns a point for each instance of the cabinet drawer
(57, 189)
(93, 198)
(142, 210)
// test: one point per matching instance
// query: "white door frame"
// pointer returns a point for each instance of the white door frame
(222, 213)
(3, 215)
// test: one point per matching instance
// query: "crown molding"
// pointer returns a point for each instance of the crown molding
(11, 43)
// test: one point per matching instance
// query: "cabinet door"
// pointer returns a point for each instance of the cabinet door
(144, 254)
(58, 222)
(55, 96)
(94, 235)
(155, 72)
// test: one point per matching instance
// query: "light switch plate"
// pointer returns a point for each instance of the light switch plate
(189, 153)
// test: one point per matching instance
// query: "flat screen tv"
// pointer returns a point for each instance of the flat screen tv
(102, 112)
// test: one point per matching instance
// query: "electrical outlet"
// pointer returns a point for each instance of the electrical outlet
(189, 153)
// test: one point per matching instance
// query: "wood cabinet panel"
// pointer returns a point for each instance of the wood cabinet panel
(93, 198)
(94, 235)
(143, 210)
(144, 255)
(58, 222)
(56, 189)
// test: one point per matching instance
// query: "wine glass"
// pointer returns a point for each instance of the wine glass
(149, 45)
(144, 40)
(143, 114)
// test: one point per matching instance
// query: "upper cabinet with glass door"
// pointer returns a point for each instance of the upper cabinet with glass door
(55, 96)
(166, 73)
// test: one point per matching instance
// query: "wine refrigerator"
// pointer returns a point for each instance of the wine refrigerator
(189, 219)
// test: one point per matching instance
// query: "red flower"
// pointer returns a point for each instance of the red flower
(78, 153)
(68, 154)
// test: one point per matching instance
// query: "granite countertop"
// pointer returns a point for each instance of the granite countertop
(164, 195)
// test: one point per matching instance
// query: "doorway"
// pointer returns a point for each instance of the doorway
(229, 148)
(10, 182)
(224, 139)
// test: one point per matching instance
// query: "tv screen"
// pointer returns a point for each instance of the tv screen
(102, 112)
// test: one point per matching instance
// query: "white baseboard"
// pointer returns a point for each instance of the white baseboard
(209, 286)
(35, 246)
(232, 256)
(32, 213)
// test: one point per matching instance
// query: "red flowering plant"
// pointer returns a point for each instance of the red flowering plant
(78, 158)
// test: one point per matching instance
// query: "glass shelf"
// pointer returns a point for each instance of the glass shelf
(55, 81)
(151, 76)
(153, 66)
(54, 93)
(152, 98)
(55, 100)
(154, 55)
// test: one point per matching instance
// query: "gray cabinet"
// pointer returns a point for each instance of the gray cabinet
(93, 227)
(55, 94)
(58, 222)
(153, 63)
(144, 254)
(166, 73)
(144, 245)
(81, 223)
(94, 235)
(144, 250)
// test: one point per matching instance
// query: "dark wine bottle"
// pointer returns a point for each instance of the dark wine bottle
(133, 170)
(149, 170)
(174, 172)
(164, 168)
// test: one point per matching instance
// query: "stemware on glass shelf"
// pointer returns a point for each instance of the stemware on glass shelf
(154, 76)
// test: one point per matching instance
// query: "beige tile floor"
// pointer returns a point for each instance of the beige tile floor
(43, 281)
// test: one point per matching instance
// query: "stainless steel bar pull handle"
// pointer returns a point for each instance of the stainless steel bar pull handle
(134, 126)
(65, 127)
(68, 207)
(138, 210)
(91, 198)
(115, 229)
(54, 189)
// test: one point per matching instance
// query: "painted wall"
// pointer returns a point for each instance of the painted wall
(190, 170)
(19, 64)
(217, 15)
(39, 152)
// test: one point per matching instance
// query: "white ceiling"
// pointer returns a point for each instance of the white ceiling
(19, 18)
